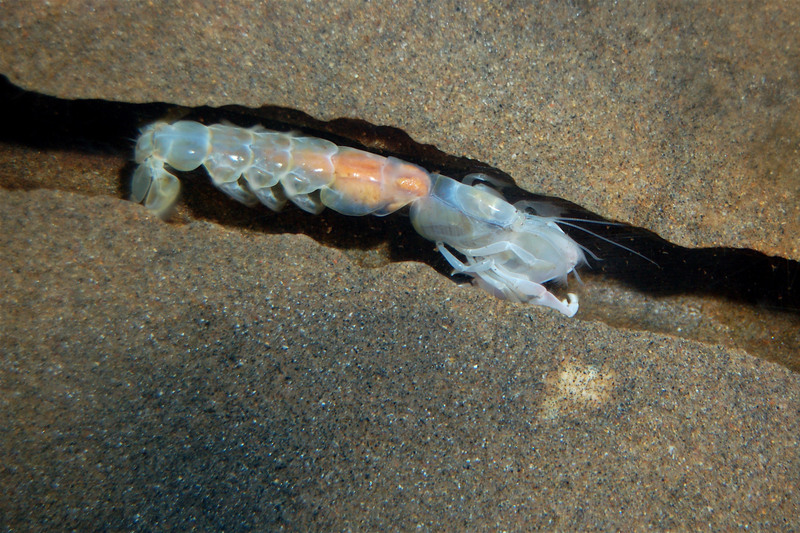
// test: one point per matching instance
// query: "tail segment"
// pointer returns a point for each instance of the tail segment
(154, 186)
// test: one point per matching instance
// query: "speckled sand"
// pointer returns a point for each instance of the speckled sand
(154, 377)
(219, 375)
(682, 118)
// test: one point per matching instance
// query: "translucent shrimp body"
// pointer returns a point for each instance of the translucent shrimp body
(257, 165)
(507, 251)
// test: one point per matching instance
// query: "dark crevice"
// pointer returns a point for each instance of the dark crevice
(98, 126)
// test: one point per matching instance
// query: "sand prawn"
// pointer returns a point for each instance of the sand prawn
(507, 250)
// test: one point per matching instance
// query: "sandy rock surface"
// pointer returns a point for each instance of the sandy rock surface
(681, 118)
(238, 369)
(155, 377)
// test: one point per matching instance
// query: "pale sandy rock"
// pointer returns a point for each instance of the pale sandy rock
(169, 377)
(682, 118)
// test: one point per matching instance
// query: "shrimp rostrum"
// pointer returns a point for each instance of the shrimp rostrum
(507, 250)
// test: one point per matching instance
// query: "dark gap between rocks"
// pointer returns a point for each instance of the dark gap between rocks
(769, 284)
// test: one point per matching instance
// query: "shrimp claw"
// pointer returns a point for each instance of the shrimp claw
(508, 252)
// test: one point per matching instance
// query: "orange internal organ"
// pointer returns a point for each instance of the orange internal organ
(381, 185)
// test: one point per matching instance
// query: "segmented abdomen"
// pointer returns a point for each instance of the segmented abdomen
(256, 164)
